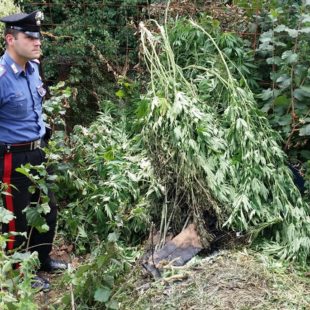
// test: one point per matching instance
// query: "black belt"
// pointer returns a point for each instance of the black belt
(20, 147)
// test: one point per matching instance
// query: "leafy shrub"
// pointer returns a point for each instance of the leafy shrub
(109, 183)
(284, 44)
(96, 281)
(109, 190)
(16, 291)
(15, 285)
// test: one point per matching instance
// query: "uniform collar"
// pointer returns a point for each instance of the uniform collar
(16, 69)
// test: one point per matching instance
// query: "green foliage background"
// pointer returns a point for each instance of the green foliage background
(284, 46)
(91, 44)
(7, 7)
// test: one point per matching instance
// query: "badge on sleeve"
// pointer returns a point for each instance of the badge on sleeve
(41, 90)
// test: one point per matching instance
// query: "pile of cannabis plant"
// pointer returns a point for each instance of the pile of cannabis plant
(216, 153)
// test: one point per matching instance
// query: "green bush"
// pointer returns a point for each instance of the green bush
(109, 183)
(284, 45)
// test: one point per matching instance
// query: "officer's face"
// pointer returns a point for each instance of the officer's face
(24, 47)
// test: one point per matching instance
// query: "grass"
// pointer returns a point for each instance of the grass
(228, 280)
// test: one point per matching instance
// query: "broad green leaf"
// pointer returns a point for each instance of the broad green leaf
(293, 33)
(5, 215)
(35, 219)
(43, 228)
(266, 36)
(24, 170)
(112, 305)
(302, 92)
(290, 57)
(108, 211)
(19, 256)
(266, 107)
(298, 94)
(305, 130)
(178, 105)
(120, 94)
(305, 30)
(274, 14)
(273, 60)
(281, 28)
(279, 44)
(102, 294)
(306, 90)
(59, 85)
(281, 100)
(305, 18)
(284, 81)
(266, 47)
(193, 145)
(274, 75)
(52, 177)
(268, 94)
(285, 120)
(44, 208)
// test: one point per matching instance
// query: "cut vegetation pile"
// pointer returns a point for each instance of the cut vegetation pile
(215, 152)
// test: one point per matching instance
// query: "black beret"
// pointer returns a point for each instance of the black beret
(27, 23)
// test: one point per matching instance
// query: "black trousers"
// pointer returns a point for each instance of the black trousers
(20, 198)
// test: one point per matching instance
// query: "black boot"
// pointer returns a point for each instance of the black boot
(54, 266)
(40, 284)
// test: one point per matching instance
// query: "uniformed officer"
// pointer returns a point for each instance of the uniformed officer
(23, 133)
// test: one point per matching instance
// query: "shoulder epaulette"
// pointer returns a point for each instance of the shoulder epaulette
(2, 71)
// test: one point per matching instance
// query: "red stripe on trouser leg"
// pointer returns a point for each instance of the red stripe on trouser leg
(8, 198)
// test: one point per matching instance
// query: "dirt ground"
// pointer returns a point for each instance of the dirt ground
(52, 299)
